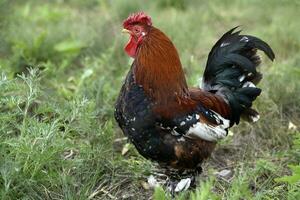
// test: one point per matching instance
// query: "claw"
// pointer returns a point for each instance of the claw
(153, 183)
(172, 188)
(183, 185)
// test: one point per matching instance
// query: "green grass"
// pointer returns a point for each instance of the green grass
(62, 64)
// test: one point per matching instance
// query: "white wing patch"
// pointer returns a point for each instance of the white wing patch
(209, 132)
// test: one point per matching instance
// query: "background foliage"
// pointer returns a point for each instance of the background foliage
(61, 68)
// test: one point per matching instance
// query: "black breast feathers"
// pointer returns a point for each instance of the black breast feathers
(135, 117)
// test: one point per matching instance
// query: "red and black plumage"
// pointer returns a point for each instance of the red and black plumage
(175, 125)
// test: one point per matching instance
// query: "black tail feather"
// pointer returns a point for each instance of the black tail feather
(261, 45)
(231, 70)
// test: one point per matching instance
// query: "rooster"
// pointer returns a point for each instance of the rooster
(175, 125)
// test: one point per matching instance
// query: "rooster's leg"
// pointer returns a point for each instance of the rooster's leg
(171, 185)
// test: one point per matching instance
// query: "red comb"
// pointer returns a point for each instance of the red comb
(139, 17)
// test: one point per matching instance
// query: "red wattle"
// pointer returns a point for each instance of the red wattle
(131, 47)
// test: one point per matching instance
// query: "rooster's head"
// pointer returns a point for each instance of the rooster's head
(138, 26)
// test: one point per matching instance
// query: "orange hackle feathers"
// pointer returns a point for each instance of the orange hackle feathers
(158, 70)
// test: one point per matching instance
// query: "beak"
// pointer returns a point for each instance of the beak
(126, 31)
